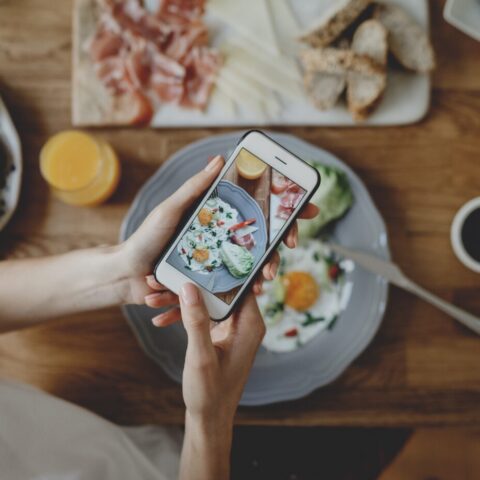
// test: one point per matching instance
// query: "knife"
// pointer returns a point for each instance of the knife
(394, 275)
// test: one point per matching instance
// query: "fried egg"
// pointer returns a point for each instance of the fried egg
(307, 296)
(200, 246)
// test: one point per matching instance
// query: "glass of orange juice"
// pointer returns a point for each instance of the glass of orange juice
(81, 170)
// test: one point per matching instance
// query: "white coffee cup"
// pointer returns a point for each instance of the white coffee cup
(456, 235)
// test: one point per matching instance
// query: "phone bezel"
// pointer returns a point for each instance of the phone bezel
(279, 158)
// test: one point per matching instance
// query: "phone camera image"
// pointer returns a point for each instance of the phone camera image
(235, 226)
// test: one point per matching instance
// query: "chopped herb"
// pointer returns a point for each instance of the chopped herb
(189, 259)
(310, 319)
(229, 215)
(214, 234)
(219, 243)
(317, 257)
(273, 309)
(332, 323)
(220, 209)
(187, 267)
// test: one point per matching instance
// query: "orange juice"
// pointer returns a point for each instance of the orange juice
(80, 169)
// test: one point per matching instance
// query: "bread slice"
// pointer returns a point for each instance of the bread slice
(365, 91)
(408, 41)
(324, 89)
(337, 61)
(335, 20)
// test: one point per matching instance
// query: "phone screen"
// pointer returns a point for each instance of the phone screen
(234, 227)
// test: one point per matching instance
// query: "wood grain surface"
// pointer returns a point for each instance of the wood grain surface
(421, 369)
(258, 189)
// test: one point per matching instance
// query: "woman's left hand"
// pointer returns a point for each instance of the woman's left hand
(140, 252)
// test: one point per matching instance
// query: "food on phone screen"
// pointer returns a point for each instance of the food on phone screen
(249, 166)
(233, 229)
(237, 259)
(201, 244)
(305, 298)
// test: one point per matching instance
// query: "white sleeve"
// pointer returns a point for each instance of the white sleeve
(43, 437)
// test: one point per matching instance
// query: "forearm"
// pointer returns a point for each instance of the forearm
(33, 290)
(206, 450)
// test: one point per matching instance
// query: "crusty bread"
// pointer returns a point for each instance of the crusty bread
(365, 91)
(324, 89)
(408, 41)
(335, 20)
(338, 61)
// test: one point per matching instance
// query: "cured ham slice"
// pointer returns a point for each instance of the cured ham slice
(162, 55)
(202, 65)
(246, 241)
(104, 44)
(290, 197)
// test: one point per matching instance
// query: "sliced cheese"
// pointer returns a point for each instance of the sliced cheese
(241, 99)
(220, 101)
(251, 19)
(241, 61)
(285, 25)
(258, 99)
(288, 66)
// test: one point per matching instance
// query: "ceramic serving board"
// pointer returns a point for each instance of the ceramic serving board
(406, 99)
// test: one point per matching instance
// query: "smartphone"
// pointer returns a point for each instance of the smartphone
(238, 223)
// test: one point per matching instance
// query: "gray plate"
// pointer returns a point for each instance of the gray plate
(275, 377)
(220, 280)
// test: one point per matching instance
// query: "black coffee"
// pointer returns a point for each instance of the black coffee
(471, 234)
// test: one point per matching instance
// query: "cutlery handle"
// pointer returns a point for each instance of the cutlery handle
(470, 321)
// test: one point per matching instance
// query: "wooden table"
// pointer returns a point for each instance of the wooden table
(421, 369)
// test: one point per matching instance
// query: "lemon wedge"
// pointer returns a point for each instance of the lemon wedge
(249, 166)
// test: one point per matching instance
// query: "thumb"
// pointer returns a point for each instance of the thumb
(193, 188)
(197, 324)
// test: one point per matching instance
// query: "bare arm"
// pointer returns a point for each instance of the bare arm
(217, 364)
(33, 290)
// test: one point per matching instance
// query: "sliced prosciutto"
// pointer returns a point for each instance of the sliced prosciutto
(246, 241)
(289, 200)
(160, 57)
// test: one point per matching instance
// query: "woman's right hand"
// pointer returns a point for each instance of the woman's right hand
(217, 364)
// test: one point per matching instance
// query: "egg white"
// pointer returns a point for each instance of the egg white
(309, 257)
(209, 237)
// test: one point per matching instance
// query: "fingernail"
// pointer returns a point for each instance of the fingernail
(157, 321)
(152, 297)
(189, 294)
(273, 270)
(213, 163)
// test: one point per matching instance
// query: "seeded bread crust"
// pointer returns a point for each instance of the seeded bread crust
(334, 22)
(408, 42)
(338, 61)
(364, 92)
(324, 89)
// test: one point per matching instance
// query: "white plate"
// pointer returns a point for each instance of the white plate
(464, 15)
(9, 137)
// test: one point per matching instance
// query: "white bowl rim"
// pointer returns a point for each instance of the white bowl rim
(456, 233)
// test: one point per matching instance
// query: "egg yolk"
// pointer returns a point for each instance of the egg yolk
(205, 216)
(301, 290)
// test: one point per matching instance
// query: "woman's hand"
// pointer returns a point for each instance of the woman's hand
(140, 252)
(218, 360)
